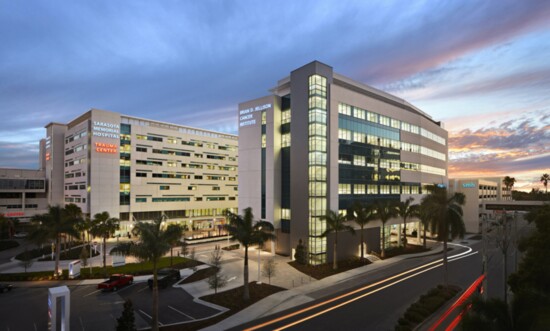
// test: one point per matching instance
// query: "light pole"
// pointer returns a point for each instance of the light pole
(259, 257)
(484, 252)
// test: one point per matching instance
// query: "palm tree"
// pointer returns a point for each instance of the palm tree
(544, 179)
(384, 211)
(445, 211)
(425, 218)
(335, 223)
(51, 226)
(406, 210)
(104, 226)
(247, 232)
(362, 215)
(509, 183)
(154, 243)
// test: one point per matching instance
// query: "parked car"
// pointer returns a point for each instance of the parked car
(164, 276)
(5, 288)
(21, 235)
(115, 282)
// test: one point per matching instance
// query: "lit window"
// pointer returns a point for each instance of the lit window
(359, 189)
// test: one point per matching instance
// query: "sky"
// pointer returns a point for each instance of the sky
(481, 67)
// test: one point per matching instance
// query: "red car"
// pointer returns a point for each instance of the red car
(115, 282)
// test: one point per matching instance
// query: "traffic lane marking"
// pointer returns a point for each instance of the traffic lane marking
(149, 316)
(184, 314)
(96, 291)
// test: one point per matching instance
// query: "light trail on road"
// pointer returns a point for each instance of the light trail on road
(421, 269)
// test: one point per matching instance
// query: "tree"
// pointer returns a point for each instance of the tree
(154, 243)
(247, 232)
(84, 255)
(269, 269)
(126, 322)
(362, 215)
(406, 210)
(335, 223)
(301, 253)
(104, 226)
(217, 280)
(501, 234)
(184, 248)
(490, 314)
(544, 179)
(51, 226)
(384, 211)
(425, 218)
(445, 212)
(26, 259)
(509, 183)
(175, 228)
(7, 227)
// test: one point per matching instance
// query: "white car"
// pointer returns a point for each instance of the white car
(21, 235)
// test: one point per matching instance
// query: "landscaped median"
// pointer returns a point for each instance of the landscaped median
(136, 269)
(428, 304)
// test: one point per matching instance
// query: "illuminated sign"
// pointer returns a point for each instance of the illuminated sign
(246, 116)
(15, 214)
(469, 185)
(107, 130)
(47, 156)
(106, 148)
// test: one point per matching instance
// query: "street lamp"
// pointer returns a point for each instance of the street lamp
(259, 258)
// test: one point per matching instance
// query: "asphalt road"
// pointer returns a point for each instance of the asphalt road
(26, 307)
(374, 304)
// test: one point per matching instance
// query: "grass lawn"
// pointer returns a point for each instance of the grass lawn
(324, 270)
(199, 275)
(231, 299)
(410, 249)
(143, 268)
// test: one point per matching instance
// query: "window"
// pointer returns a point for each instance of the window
(395, 123)
(215, 188)
(191, 188)
(285, 116)
(264, 117)
(384, 120)
(141, 149)
(359, 137)
(344, 109)
(164, 188)
(344, 188)
(359, 160)
(285, 140)
(372, 189)
(344, 134)
(384, 189)
(285, 214)
(372, 117)
(359, 189)
(395, 189)
(141, 174)
(359, 113)
(264, 141)
(198, 177)
(141, 200)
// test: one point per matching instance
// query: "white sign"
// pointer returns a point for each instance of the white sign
(246, 116)
(118, 260)
(106, 130)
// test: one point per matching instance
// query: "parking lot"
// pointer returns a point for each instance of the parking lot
(26, 308)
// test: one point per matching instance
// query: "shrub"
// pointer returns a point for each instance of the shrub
(231, 247)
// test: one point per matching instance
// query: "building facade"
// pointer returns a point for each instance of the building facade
(321, 141)
(22, 193)
(479, 192)
(138, 169)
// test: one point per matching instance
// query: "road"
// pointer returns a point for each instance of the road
(378, 303)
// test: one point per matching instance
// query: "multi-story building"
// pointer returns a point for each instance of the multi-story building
(22, 193)
(138, 169)
(322, 141)
(478, 191)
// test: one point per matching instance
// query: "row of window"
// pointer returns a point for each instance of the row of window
(81, 160)
(27, 206)
(186, 176)
(388, 121)
(75, 174)
(76, 149)
(184, 199)
(391, 143)
(75, 187)
(75, 199)
(377, 189)
(76, 137)
(172, 140)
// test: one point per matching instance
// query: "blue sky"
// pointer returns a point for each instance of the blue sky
(482, 67)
